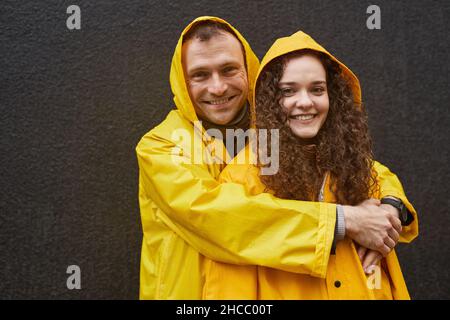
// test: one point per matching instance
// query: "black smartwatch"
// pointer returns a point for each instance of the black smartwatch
(405, 216)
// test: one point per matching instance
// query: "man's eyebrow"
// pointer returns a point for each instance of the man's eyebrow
(205, 67)
(197, 68)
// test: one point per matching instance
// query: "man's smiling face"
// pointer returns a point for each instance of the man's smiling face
(216, 77)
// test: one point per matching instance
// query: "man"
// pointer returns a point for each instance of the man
(188, 217)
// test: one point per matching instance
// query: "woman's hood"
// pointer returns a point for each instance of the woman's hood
(300, 41)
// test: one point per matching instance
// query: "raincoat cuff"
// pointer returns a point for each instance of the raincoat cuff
(325, 236)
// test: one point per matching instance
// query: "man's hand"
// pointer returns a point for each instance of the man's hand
(373, 226)
(391, 209)
(370, 258)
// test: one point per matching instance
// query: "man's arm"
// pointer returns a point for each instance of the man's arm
(225, 223)
(370, 224)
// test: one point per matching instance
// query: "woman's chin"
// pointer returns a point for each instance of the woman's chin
(304, 134)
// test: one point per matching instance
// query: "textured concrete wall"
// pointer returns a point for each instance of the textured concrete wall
(75, 103)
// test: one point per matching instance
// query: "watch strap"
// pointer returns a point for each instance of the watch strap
(404, 214)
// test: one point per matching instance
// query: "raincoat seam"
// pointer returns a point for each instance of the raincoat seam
(162, 269)
(329, 235)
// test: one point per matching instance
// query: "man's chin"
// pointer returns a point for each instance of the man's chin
(220, 118)
(221, 121)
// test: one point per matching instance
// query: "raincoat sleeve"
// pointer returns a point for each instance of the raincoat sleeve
(390, 186)
(225, 223)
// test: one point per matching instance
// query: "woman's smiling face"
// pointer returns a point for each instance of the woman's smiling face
(304, 93)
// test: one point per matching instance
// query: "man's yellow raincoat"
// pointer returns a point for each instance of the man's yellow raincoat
(344, 278)
(189, 219)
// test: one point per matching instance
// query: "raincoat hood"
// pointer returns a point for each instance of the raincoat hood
(300, 41)
(178, 82)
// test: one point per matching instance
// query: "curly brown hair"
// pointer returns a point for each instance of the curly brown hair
(343, 146)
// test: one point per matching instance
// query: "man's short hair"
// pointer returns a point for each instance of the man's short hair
(205, 30)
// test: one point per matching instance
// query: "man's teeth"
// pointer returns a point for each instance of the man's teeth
(221, 101)
(304, 117)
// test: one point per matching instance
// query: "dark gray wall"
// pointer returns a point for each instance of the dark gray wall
(75, 103)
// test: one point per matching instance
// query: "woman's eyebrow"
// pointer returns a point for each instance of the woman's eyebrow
(294, 83)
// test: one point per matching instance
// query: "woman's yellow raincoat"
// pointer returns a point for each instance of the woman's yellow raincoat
(344, 278)
(189, 219)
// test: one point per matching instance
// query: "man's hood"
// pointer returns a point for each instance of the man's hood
(299, 41)
(178, 82)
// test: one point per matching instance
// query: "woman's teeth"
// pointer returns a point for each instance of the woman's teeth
(304, 117)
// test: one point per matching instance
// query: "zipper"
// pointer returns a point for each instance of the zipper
(322, 188)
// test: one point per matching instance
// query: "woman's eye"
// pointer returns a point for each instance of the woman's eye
(319, 90)
(287, 91)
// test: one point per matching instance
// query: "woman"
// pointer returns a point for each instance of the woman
(325, 155)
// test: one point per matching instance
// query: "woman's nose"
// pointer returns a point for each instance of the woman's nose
(303, 100)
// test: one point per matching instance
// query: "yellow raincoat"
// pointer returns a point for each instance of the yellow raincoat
(189, 219)
(344, 278)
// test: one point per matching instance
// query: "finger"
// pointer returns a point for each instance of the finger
(384, 250)
(393, 234)
(396, 223)
(372, 258)
(370, 269)
(362, 252)
(390, 243)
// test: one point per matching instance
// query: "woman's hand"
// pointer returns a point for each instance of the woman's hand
(368, 258)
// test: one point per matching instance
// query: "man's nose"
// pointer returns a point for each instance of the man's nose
(303, 100)
(217, 86)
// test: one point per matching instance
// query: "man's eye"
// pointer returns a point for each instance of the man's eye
(229, 70)
(199, 75)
